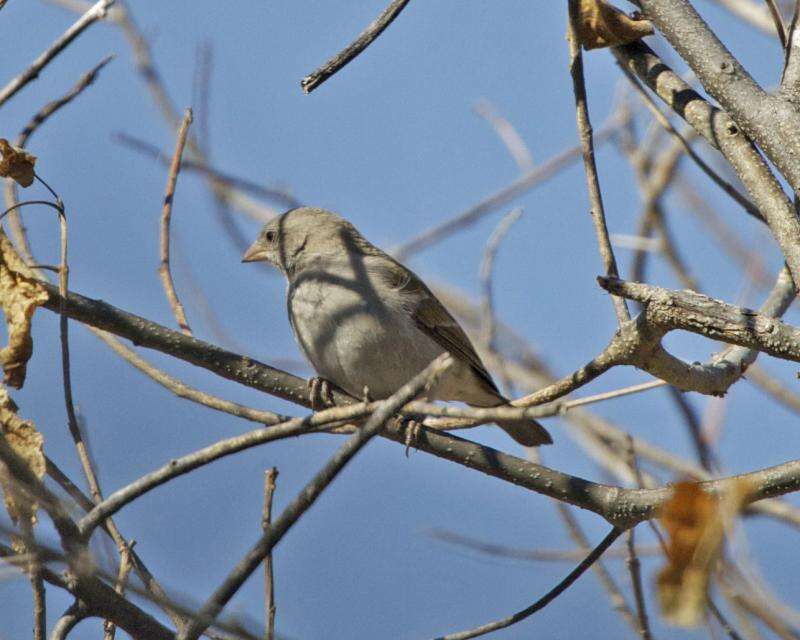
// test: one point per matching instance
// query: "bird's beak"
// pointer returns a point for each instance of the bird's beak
(256, 253)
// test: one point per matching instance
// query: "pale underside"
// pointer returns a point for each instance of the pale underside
(357, 338)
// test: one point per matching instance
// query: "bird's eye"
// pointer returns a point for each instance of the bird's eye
(270, 236)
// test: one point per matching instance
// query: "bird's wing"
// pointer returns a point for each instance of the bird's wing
(433, 319)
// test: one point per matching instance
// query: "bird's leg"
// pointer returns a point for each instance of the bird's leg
(320, 394)
(366, 397)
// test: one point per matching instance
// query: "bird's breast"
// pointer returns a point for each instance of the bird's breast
(357, 335)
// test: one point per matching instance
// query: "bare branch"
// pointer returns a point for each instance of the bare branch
(508, 135)
(780, 25)
(702, 164)
(542, 602)
(529, 555)
(486, 268)
(180, 466)
(351, 51)
(311, 492)
(185, 391)
(95, 13)
(269, 579)
(769, 120)
(521, 185)
(280, 197)
(125, 565)
(621, 508)
(723, 133)
(166, 215)
(39, 118)
(714, 319)
(587, 150)
(69, 620)
(790, 78)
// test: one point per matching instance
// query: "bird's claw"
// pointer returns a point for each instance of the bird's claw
(413, 430)
(320, 394)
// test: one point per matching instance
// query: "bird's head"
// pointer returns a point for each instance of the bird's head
(300, 237)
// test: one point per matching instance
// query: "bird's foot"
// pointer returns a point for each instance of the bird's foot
(320, 394)
(413, 429)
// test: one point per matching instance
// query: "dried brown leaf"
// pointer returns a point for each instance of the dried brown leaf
(16, 164)
(20, 294)
(27, 442)
(696, 522)
(603, 25)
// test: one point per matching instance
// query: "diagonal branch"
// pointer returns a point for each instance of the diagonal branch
(351, 51)
(724, 134)
(95, 13)
(309, 494)
(542, 602)
(770, 121)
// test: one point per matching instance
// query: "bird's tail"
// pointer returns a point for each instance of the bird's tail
(528, 433)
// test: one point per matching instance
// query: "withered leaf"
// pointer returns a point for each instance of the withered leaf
(27, 442)
(16, 163)
(603, 25)
(20, 294)
(696, 522)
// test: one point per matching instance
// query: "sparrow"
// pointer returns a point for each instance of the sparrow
(365, 321)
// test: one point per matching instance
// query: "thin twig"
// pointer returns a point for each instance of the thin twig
(346, 55)
(183, 465)
(269, 579)
(34, 570)
(723, 184)
(723, 621)
(38, 119)
(508, 135)
(542, 602)
(780, 25)
(166, 215)
(543, 172)
(634, 566)
(587, 149)
(125, 565)
(309, 494)
(183, 390)
(279, 196)
(486, 268)
(529, 555)
(95, 13)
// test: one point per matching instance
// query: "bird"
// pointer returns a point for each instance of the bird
(366, 322)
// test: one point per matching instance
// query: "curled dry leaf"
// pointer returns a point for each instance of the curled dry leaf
(696, 522)
(27, 442)
(603, 25)
(20, 294)
(16, 164)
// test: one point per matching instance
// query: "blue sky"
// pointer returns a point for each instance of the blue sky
(392, 144)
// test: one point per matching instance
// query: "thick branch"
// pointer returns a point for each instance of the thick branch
(621, 507)
(724, 134)
(770, 121)
(714, 319)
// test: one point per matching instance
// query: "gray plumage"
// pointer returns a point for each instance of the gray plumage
(364, 320)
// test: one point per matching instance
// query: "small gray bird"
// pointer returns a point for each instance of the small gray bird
(365, 321)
